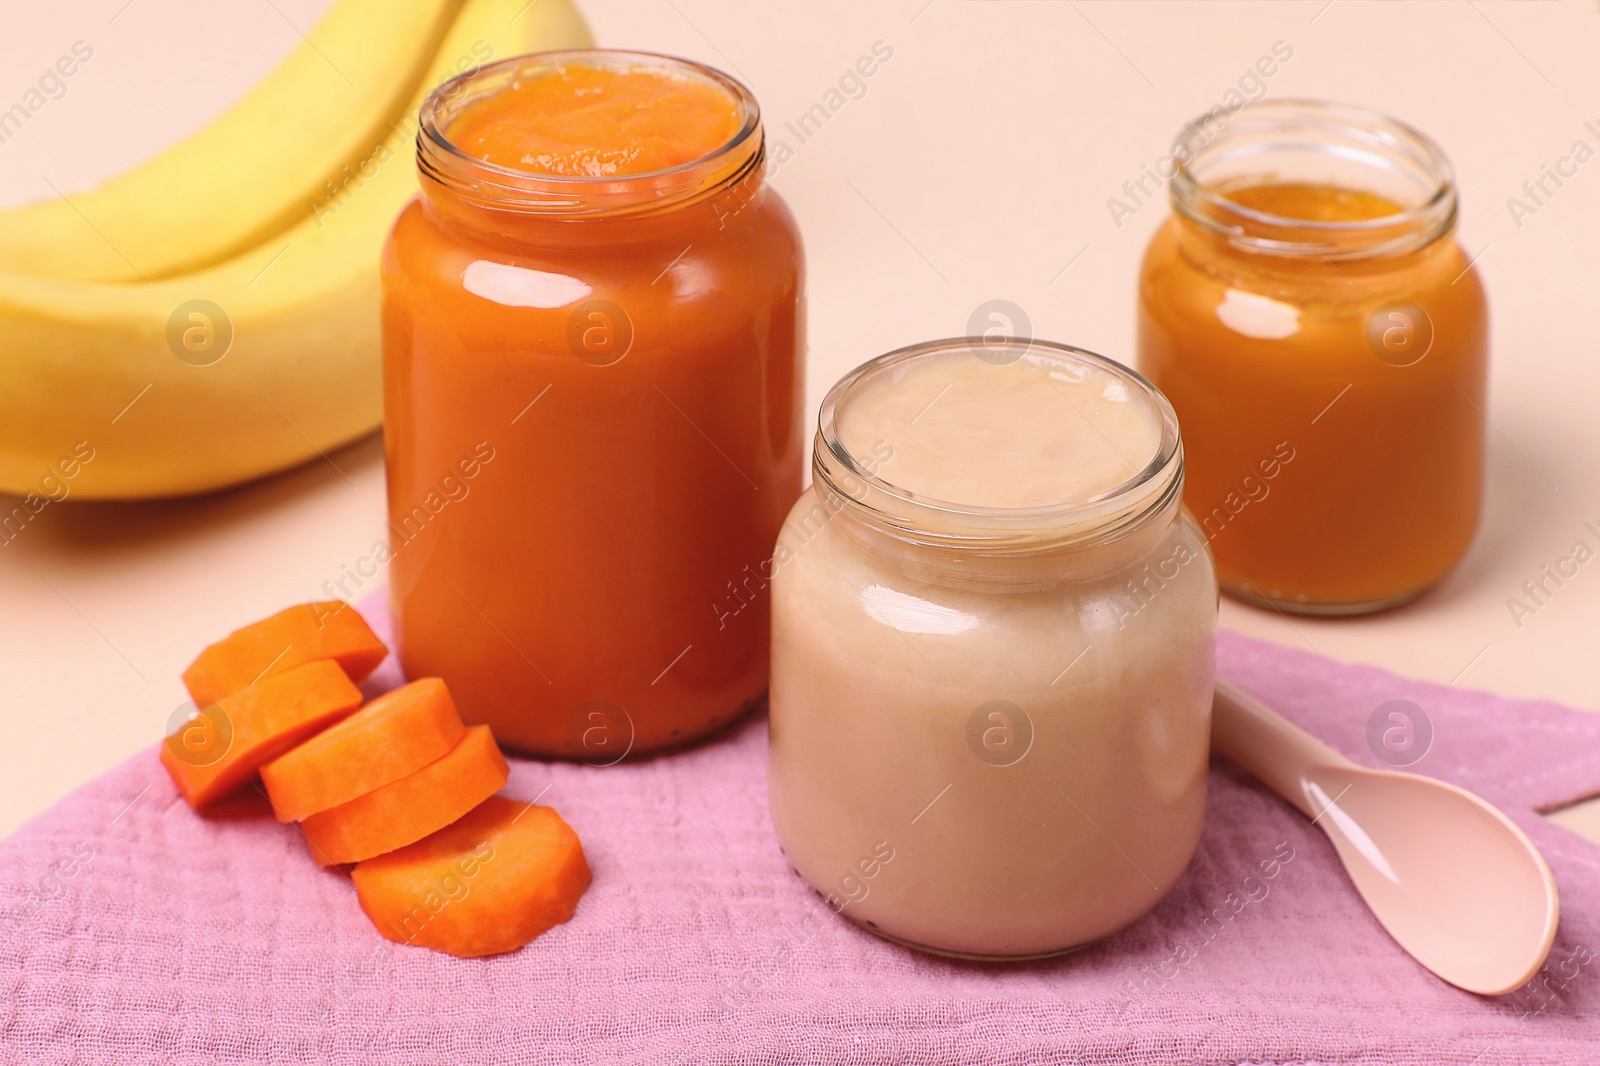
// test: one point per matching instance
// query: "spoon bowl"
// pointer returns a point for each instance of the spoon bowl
(1453, 880)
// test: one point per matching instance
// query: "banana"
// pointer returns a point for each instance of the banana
(255, 171)
(277, 363)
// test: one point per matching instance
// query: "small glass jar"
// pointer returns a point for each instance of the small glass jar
(1324, 340)
(593, 397)
(989, 724)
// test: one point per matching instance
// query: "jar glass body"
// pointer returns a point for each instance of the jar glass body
(593, 421)
(1330, 380)
(997, 757)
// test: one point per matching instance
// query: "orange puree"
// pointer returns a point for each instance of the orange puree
(1312, 203)
(594, 122)
(593, 404)
(1334, 439)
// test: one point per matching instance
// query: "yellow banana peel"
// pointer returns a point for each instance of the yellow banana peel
(250, 366)
(253, 172)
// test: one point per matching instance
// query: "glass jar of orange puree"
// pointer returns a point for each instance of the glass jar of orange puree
(592, 321)
(1324, 341)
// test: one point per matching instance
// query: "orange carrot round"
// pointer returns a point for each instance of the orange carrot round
(305, 633)
(404, 811)
(396, 734)
(227, 742)
(503, 874)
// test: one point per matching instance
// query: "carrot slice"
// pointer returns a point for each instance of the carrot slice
(222, 747)
(304, 633)
(404, 811)
(396, 734)
(503, 874)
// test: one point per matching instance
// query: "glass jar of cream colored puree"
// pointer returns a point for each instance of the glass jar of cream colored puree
(993, 627)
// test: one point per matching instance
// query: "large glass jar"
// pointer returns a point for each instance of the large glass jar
(1324, 340)
(993, 631)
(593, 391)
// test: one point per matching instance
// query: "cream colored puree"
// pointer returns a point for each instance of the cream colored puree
(1107, 649)
(1022, 434)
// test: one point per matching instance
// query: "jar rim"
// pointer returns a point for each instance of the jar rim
(1355, 136)
(580, 195)
(914, 516)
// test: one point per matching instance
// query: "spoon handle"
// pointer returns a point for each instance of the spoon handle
(1277, 753)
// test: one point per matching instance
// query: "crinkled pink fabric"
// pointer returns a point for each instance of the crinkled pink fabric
(133, 930)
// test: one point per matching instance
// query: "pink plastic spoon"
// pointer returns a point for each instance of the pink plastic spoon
(1453, 880)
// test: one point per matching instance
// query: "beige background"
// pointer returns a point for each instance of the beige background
(977, 165)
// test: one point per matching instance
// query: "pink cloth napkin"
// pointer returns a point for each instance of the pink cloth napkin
(133, 930)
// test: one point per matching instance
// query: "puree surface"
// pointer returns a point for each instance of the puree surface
(589, 121)
(1312, 203)
(1028, 433)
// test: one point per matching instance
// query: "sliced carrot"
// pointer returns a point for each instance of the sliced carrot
(226, 742)
(304, 633)
(404, 811)
(503, 874)
(396, 734)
